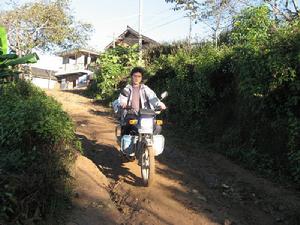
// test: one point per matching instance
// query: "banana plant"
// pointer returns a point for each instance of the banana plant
(8, 61)
(3, 41)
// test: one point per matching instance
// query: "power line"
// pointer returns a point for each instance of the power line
(161, 25)
(158, 13)
(107, 20)
(157, 19)
(122, 18)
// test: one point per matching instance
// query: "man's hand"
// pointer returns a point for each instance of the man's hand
(123, 104)
(162, 105)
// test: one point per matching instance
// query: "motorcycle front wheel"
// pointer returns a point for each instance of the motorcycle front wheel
(148, 166)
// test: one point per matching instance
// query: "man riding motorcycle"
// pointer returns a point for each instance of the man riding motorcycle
(137, 96)
(140, 136)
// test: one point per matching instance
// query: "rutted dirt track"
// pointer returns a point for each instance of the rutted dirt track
(207, 189)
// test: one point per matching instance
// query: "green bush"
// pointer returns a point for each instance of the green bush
(267, 64)
(37, 143)
(114, 67)
(244, 97)
(191, 77)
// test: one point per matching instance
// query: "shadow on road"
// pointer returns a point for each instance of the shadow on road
(109, 161)
(215, 188)
(80, 91)
(101, 112)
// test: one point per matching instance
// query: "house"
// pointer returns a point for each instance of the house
(74, 71)
(68, 70)
(43, 78)
(130, 37)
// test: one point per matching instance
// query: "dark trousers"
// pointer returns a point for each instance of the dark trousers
(131, 129)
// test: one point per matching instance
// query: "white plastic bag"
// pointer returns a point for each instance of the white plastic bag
(158, 144)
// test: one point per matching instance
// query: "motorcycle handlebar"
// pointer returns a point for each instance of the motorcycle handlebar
(157, 109)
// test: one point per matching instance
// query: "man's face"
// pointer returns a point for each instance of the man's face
(136, 78)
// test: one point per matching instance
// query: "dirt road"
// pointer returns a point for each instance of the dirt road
(190, 189)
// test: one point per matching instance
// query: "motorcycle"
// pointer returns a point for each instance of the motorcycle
(141, 142)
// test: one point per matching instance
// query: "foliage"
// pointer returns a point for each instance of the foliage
(216, 14)
(38, 145)
(252, 27)
(114, 67)
(8, 61)
(188, 77)
(269, 85)
(3, 41)
(284, 10)
(165, 49)
(42, 25)
(244, 97)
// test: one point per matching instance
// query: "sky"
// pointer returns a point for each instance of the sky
(111, 17)
(159, 21)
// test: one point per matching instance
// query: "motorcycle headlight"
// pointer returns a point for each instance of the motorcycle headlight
(147, 123)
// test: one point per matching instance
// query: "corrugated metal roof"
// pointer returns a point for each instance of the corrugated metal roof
(133, 32)
(43, 73)
(82, 51)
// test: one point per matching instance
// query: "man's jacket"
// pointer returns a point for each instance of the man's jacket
(148, 98)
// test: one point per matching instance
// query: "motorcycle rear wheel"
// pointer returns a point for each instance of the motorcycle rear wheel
(148, 166)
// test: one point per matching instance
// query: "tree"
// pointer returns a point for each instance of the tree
(253, 27)
(113, 68)
(216, 14)
(8, 61)
(43, 26)
(284, 9)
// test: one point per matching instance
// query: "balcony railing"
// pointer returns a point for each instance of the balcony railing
(71, 67)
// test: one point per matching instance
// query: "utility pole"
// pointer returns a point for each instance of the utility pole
(140, 32)
(190, 31)
(114, 41)
(49, 80)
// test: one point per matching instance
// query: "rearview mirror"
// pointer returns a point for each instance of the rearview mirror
(164, 95)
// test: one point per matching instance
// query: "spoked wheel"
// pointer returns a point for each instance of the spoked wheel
(148, 166)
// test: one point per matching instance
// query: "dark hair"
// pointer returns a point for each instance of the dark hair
(137, 70)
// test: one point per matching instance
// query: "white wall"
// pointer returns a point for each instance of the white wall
(43, 83)
(80, 60)
(49, 62)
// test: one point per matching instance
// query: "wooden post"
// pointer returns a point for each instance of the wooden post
(140, 33)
